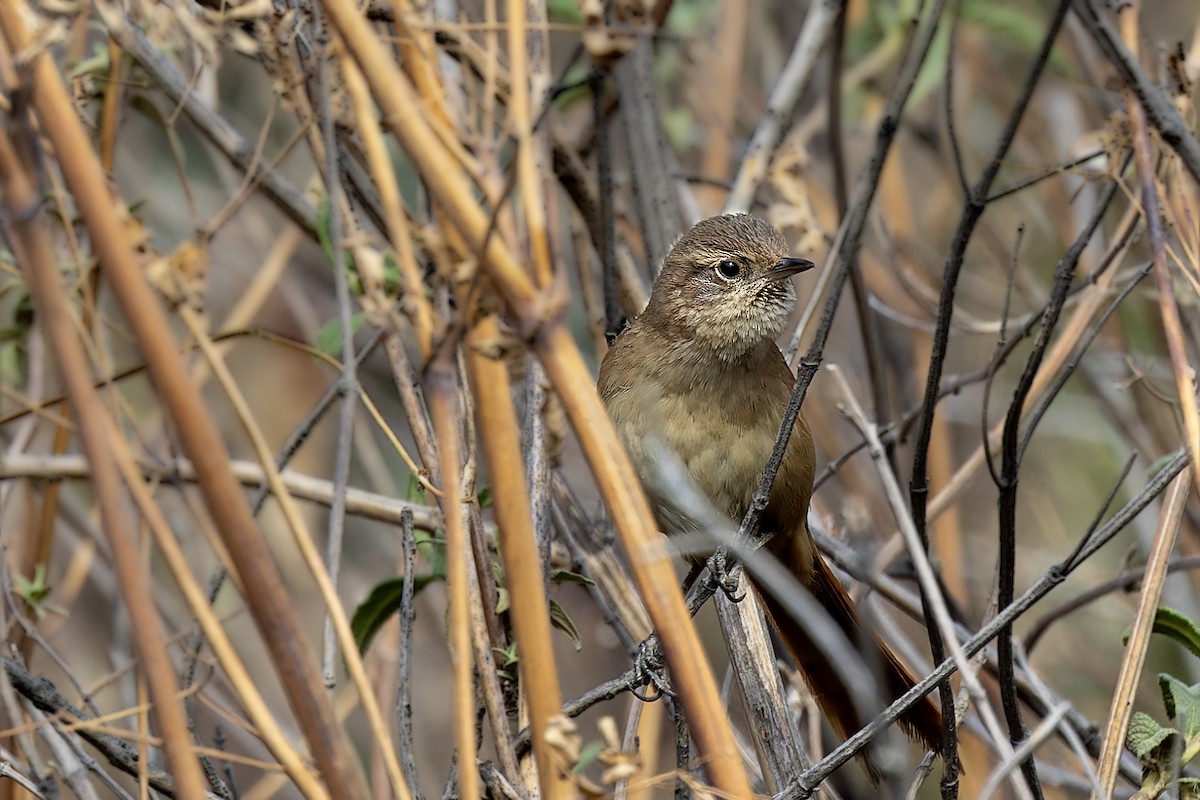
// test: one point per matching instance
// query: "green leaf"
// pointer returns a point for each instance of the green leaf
(1173, 623)
(508, 656)
(380, 604)
(12, 363)
(436, 554)
(1182, 703)
(325, 237)
(97, 64)
(566, 576)
(484, 497)
(1006, 23)
(564, 11)
(561, 620)
(391, 274)
(1145, 735)
(502, 600)
(35, 592)
(588, 754)
(414, 492)
(329, 338)
(1160, 462)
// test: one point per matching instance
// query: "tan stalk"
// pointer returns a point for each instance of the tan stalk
(501, 436)
(36, 255)
(569, 376)
(382, 171)
(308, 550)
(418, 56)
(440, 384)
(198, 433)
(1113, 746)
(1176, 498)
(235, 671)
(521, 115)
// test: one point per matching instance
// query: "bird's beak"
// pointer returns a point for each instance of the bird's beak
(787, 267)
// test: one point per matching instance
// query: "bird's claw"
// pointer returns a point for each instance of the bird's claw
(726, 577)
(651, 671)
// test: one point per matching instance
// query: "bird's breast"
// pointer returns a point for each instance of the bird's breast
(720, 422)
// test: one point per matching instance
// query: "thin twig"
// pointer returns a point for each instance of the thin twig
(805, 784)
(348, 380)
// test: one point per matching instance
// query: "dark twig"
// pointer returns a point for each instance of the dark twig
(1009, 472)
(853, 226)
(683, 751)
(1001, 343)
(868, 332)
(408, 616)
(948, 99)
(1124, 581)
(347, 384)
(976, 201)
(1049, 172)
(1035, 416)
(806, 783)
(43, 694)
(606, 246)
(1160, 112)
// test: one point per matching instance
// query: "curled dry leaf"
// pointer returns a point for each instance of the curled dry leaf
(619, 765)
(563, 735)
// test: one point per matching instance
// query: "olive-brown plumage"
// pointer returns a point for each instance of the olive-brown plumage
(698, 375)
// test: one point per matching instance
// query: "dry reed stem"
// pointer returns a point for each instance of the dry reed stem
(521, 115)
(753, 661)
(269, 786)
(235, 671)
(538, 318)
(1173, 505)
(417, 305)
(518, 548)
(1139, 638)
(440, 386)
(652, 570)
(306, 547)
(198, 433)
(38, 262)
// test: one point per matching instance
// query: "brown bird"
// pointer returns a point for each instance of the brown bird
(699, 374)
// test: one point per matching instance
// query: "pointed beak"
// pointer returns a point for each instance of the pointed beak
(787, 267)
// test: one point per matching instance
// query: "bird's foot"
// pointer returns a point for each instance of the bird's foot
(726, 576)
(651, 669)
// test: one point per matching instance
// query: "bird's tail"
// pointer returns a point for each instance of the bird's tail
(839, 702)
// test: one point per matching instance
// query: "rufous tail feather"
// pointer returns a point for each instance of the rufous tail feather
(922, 722)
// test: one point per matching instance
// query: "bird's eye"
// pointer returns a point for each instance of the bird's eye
(729, 269)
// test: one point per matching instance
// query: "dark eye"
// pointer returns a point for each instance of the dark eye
(729, 269)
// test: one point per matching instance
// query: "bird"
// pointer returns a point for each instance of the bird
(699, 375)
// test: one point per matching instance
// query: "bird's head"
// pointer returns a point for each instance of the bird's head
(724, 285)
